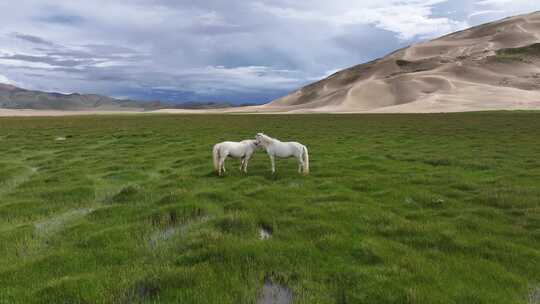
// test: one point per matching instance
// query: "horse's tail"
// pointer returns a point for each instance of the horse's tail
(215, 155)
(305, 157)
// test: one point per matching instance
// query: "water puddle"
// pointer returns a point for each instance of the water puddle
(163, 235)
(54, 224)
(273, 293)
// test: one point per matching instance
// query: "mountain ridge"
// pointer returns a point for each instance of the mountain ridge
(12, 97)
(16, 98)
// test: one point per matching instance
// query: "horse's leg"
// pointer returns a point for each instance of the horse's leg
(222, 162)
(246, 160)
(273, 161)
(300, 164)
(242, 161)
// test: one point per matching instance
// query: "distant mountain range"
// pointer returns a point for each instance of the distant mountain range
(12, 97)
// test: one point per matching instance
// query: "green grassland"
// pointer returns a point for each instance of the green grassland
(436, 208)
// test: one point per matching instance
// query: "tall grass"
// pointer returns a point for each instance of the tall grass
(441, 208)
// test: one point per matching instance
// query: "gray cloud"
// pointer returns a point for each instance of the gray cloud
(62, 19)
(45, 59)
(32, 39)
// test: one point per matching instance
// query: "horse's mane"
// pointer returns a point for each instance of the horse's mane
(266, 137)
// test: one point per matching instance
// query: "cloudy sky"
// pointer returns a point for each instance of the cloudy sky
(215, 50)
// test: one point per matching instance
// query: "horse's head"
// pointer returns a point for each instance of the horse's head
(256, 144)
(260, 138)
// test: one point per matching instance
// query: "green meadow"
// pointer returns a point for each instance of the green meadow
(434, 208)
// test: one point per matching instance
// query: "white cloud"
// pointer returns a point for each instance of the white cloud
(509, 7)
(4, 79)
(407, 18)
(484, 12)
(494, 2)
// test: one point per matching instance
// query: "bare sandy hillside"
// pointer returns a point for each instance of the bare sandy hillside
(488, 67)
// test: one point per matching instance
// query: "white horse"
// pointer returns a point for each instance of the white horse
(242, 150)
(275, 148)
